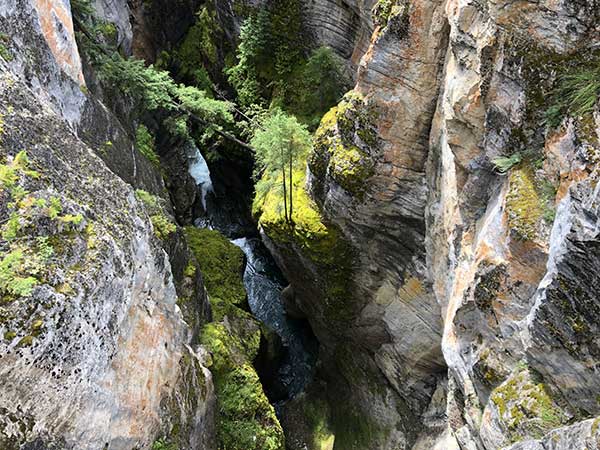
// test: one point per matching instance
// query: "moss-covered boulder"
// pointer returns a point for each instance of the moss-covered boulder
(525, 407)
(222, 265)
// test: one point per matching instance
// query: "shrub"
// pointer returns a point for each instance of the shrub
(504, 163)
(144, 141)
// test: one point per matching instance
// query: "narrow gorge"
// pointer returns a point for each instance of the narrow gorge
(299, 225)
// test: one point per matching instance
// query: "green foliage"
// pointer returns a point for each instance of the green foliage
(151, 87)
(199, 47)
(317, 86)
(270, 49)
(221, 264)
(580, 89)
(577, 88)
(32, 231)
(504, 163)
(14, 279)
(162, 225)
(82, 9)
(524, 205)
(281, 148)
(384, 10)
(526, 407)
(163, 444)
(144, 141)
(197, 102)
(253, 59)
(155, 89)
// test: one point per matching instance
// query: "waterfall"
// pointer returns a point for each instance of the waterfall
(198, 169)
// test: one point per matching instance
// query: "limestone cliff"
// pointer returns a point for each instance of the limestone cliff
(446, 259)
(467, 285)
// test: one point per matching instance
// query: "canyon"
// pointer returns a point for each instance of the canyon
(440, 281)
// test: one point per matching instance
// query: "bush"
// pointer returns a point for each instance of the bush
(504, 163)
(144, 142)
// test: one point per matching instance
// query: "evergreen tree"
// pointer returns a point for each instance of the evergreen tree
(281, 146)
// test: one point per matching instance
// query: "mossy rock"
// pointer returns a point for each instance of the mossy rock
(524, 204)
(343, 145)
(320, 242)
(247, 420)
(221, 264)
(231, 346)
(526, 407)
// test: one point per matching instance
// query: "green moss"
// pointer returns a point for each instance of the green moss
(162, 225)
(526, 407)
(221, 264)
(163, 444)
(144, 142)
(523, 203)
(5, 53)
(247, 420)
(336, 153)
(9, 335)
(312, 416)
(385, 10)
(231, 347)
(26, 341)
(190, 270)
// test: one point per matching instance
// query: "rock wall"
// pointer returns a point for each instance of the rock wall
(95, 351)
(454, 263)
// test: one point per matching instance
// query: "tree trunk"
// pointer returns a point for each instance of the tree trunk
(284, 195)
(291, 193)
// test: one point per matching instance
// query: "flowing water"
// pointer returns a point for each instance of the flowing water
(199, 171)
(264, 284)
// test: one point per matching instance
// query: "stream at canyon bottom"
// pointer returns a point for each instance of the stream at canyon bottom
(264, 283)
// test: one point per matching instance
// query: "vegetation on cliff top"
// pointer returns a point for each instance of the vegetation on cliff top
(274, 67)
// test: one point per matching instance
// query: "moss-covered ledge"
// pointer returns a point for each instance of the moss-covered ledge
(343, 147)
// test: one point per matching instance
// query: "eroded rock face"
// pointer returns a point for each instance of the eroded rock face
(346, 27)
(95, 352)
(446, 248)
